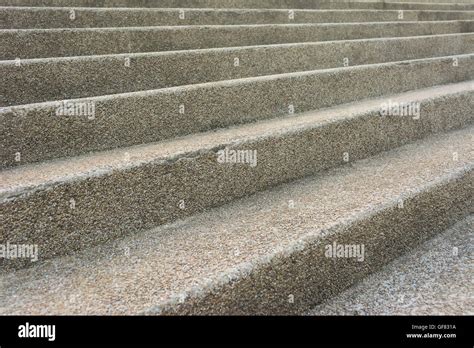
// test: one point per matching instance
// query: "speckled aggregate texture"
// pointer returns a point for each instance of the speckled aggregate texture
(211, 264)
(288, 4)
(205, 156)
(43, 43)
(118, 192)
(142, 117)
(37, 17)
(49, 79)
(436, 278)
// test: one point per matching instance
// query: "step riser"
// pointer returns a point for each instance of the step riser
(23, 18)
(58, 79)
(450, 252)
(38, 133)
(55, 42)
(126, 201)
(310, 277)
(302, 4)
(202, 253)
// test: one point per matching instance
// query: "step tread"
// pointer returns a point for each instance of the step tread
(28, 178)
(198, 254)
(59, 17)
(211, 9)
(261, 4)
(227, 27)
(228, 83)
(224, 49)
(87, 76)
(433, 279)
(35, 43)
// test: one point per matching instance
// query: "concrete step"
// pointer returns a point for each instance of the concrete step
(50, 130)
(275, 259)
(71, 204)
(64, 17)
(286, 4)
(433, 279)
(44, 43)
(49, 79)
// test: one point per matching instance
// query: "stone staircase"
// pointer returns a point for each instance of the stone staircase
(202, 156)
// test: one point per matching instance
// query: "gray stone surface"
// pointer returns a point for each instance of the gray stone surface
(288, 4)
(125, 193)
(43, 43)
(49, 79)
(127, 119)
(436, 278)
(266, 253)
(60, 17)
(131, 189)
